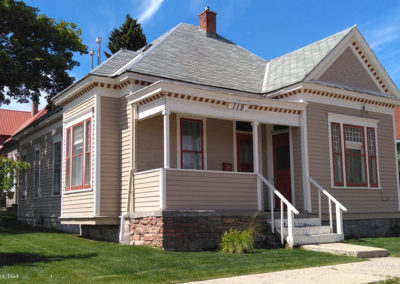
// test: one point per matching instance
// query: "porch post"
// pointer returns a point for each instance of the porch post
(304, 159)
(166, 114)
(256, 166)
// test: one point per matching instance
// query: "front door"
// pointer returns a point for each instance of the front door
(282, 166)
(244, 152)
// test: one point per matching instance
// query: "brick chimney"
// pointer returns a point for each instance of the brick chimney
(34, 107)
(208, 20)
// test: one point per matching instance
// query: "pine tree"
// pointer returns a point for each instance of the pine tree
(129, 36)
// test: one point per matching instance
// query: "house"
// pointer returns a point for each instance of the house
(10, 120)
(177, 142)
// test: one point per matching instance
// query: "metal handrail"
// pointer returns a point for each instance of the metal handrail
(291, 210)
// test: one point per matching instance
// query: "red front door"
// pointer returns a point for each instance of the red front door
(282, 166)
(244, 152)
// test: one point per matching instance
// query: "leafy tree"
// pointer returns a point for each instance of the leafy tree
(9, 172)
(129, 36)
(35, 52)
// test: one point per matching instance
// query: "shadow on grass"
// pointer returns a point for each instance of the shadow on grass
(14, 229)
(9, 259)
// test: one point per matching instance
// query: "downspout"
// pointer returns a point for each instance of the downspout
(129, 204)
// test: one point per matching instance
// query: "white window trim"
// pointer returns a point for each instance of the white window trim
(56, 139)
(342, 119)
(178, 138)
(36, 148)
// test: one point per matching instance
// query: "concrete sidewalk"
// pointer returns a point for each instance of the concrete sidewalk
(376, 269)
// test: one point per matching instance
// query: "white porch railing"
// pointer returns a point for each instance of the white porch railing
(339, 207)
(291, 210)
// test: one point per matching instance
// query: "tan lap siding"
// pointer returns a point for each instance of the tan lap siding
(356, 200)
(46, 205)
(150, 144)
(80, 204)
(219, 143)
(210, 190)
(125, 113)
(147, 191)
(110, 194)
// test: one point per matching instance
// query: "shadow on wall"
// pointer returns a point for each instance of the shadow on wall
(9, 259)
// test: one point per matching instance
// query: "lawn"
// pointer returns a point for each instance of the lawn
(391, 244)
(41, 256)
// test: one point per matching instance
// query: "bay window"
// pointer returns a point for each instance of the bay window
(78, 156)
(192, 144)
(353, 155)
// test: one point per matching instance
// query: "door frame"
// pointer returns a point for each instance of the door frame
(270, 159)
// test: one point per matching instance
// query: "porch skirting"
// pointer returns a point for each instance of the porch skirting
(197, 230)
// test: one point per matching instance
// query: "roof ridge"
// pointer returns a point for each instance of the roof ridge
(345, 31)
(160, 38)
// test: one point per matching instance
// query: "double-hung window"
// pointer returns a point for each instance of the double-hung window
(78, 156)
(353, 153)
(23, 180)
(36, 165)
(192, 155)
(56, 167)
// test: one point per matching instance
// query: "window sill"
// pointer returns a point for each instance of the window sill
(356, 187)
(77, 190)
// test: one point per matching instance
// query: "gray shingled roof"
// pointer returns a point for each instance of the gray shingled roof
(114, 63)
(293, 67)
(186, 53)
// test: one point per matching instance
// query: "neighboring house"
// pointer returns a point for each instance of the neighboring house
(10, 121)
(193, 134)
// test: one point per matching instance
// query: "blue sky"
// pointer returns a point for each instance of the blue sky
(266, 28)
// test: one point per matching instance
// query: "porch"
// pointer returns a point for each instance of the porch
(197, 152)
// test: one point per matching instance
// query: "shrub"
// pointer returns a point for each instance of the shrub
(237, 241)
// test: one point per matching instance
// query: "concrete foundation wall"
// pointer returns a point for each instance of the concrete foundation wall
(371, 228)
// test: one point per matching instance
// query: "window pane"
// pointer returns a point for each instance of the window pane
(87, 147)
(67, 177)
(282, 157)
(87, 168)
(372, 171)
(68, 141)
(57, 168)
(37, 172)
(336, 138)
(192, 160)
(354, 134)
(77, 144)
(355, 167)
(77, 171)
(191, 135)
(338, 169)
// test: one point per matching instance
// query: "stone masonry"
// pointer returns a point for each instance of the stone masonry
(195, 231)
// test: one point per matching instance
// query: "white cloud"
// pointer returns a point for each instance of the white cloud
(148, 9)
(379, 37)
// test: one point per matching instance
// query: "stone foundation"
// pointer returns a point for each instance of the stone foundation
(195, 231)
(371, 228)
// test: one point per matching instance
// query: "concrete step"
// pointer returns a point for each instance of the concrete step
(348, 249)
(309, 230)
(317, 239)
(298, 222)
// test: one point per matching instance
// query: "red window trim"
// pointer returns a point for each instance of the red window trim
(83, 154)
(335, 154)
(372, 156)
(87, 185)
(202, 142)
(364, 156)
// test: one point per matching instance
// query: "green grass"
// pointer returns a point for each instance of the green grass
(392, 244)
(37, 256)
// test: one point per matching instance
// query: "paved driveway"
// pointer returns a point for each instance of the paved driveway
(375, 269)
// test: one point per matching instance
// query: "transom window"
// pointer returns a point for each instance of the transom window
(78, 156)
(353, 155)
(192, 144)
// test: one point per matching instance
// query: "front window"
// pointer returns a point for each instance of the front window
(191, 144)
(37, 173)
(353, 155)
(78, 156)
(23, 180)
(56, 168)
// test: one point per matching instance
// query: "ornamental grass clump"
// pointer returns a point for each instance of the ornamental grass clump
(237, 241)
